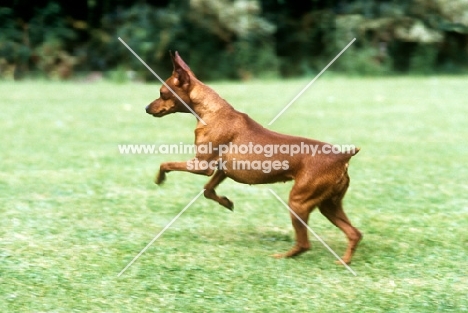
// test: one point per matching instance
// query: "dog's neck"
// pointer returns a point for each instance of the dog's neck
(207, 103)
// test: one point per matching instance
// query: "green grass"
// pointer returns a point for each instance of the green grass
(74, 211)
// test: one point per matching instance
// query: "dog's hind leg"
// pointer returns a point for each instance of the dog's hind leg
(333, 210)
(302, 201)
(210, 193)
(302, 240)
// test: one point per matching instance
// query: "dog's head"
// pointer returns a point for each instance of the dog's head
(179, 83)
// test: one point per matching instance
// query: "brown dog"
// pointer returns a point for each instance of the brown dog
(232, 147)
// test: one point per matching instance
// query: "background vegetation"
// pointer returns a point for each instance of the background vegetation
(232, 38)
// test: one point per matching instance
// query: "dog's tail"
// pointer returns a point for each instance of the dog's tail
(352, 151)
(345, 155)
(356, 150)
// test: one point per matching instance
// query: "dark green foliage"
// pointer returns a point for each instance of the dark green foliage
(233, 39)
(11, 50)
(45, 43)
(149, 32)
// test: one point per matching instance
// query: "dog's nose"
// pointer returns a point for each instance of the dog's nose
(147, 108)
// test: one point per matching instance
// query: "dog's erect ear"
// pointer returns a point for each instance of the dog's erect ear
(178, 62)
(181, 71)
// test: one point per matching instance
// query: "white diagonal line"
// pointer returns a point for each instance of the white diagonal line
(162, 81)
(309, 84)
(161, 232)
(313, 233)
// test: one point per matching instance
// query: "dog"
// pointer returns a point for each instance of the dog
(320, 179)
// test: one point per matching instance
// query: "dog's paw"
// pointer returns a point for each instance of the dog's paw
(225, 202)
(295, 251)
(347, 262)
(160, 178)
(279, 255)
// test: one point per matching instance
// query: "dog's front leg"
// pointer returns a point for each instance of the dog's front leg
(191, 166)
(210, 193)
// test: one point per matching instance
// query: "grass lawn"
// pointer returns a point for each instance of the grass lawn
(74, 212)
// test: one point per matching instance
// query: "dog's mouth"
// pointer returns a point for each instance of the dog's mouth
(160, 113)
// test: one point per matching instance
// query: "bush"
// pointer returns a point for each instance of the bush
(234, 39)
(38, 45)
